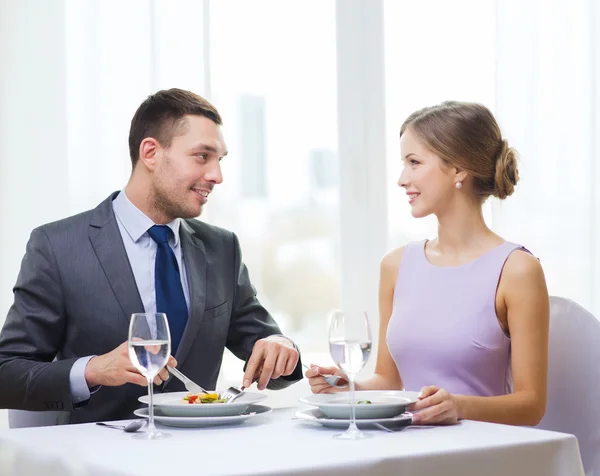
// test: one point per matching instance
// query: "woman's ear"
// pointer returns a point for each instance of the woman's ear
(460, 175)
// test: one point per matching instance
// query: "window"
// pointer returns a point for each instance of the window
(274, 83)
(434, 51)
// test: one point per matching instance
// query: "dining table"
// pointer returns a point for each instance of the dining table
(277, 443)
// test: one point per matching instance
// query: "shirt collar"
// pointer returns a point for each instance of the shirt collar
(135, 221)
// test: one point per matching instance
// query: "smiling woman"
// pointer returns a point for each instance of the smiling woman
(455, 157)
(462, 312)
(435, 152)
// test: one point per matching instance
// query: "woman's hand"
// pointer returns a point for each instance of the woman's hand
(435, 406)
(317, 381)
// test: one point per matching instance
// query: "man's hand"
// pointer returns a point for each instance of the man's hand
(272, 357)
(115, 368)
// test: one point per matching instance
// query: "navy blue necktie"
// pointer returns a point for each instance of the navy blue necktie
(167, 282)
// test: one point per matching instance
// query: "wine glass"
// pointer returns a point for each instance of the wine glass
(149, 345)
(350, 347)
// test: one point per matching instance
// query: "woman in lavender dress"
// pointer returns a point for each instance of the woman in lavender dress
(464, 317)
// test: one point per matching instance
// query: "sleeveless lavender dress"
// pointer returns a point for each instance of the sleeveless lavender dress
(444, 330)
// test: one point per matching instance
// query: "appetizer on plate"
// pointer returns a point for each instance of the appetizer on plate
(194, 398)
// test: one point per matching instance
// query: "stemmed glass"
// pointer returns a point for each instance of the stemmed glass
(149, 346)
(350, 347)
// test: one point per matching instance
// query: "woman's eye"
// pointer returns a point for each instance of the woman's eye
(414, 162)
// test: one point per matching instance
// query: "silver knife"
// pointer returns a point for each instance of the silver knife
(189, 385)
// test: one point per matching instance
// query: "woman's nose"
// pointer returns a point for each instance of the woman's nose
(403, 179)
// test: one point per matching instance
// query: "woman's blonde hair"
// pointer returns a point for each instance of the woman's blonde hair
(467, 136)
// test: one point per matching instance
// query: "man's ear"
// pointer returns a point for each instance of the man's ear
(150, 153)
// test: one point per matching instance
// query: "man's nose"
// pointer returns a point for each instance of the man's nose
(214, 174)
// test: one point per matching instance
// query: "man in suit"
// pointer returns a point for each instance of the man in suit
(64, 342)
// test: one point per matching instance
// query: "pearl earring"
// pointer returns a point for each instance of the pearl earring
(458, 185)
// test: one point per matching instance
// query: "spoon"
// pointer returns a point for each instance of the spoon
(130, 428)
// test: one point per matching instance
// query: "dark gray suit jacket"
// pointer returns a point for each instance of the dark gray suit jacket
(76, 292)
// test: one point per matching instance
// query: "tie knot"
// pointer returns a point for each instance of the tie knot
(160, 233)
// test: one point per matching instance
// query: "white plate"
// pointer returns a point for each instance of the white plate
(198, 422)
(386, 403)
(173, 404)
(314, 415)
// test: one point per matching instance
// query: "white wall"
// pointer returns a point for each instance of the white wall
(32, 129)
(547, 102)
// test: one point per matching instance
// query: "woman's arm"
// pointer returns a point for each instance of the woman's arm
(386, 375)
(523, 287)
(523, 291)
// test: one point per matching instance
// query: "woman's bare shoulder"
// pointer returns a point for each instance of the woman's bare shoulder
(390, 263)
(522, 265)
(523, 279)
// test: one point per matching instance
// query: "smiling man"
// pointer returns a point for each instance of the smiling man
(63, 345)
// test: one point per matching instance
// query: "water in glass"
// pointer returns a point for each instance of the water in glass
(149, 356)
(350, 348)
(149, 345)
(351, 357)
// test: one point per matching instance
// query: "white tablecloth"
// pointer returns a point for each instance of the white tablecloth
(274, 444)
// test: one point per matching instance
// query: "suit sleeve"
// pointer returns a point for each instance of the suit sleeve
(250, 321)
(33, 333)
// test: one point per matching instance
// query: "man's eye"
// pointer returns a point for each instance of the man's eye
(202, 156)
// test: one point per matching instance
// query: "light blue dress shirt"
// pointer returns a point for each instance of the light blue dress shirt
(141, 251)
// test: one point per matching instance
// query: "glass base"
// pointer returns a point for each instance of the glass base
(151, 435)
(352, 434)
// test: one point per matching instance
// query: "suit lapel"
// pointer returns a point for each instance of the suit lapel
(109, 248)
(194, 258)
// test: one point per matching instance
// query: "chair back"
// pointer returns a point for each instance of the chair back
(573, 404)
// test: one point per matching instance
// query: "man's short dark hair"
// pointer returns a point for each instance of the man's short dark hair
(162, 116)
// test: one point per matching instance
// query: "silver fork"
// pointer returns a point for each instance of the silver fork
(189, 385)
(402, 427)
(232, 393)
(330, 379)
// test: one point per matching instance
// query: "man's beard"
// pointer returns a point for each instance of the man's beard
(170, 208)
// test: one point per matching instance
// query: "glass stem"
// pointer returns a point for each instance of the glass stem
(352, 403)
(151, 426)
